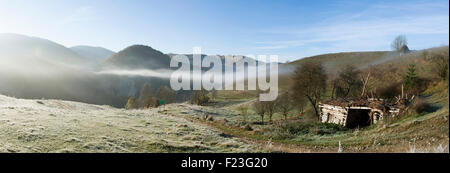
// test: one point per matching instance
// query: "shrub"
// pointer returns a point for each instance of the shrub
(200, 97)
(295, 127)
(326, 128)
(389, 91)
(419, 106)
(440, 66)
(153, 102)
(416, 108)
(420, 86)
(243, 109)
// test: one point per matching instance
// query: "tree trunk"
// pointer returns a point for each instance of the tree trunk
(314, 104)
(365, 84)
(317, 113)
(333, 90)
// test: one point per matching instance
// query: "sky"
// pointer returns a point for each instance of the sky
(290, 29)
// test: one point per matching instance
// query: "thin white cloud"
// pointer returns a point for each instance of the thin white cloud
(362, 31)
(81, 14)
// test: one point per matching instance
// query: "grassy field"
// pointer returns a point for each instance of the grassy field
(63, 126)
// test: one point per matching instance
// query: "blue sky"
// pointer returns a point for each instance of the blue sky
(289, 28)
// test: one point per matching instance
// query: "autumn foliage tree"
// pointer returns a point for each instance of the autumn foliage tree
(145, 96)
(440, 65)
(131, 103)
(166, 94)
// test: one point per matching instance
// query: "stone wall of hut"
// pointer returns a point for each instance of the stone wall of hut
(333, 114)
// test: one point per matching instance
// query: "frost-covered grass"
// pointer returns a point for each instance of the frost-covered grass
(64, 126)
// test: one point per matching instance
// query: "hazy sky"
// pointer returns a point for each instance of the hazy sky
(290, 29)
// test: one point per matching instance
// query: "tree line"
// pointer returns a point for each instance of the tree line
(147, 99)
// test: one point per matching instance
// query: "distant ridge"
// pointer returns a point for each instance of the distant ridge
(96, 54)
(21, 47)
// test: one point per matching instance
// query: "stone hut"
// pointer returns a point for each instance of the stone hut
(404, 50)
(354, 113)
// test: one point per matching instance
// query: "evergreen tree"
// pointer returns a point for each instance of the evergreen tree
(409, 80)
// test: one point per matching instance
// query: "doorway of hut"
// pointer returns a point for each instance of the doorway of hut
(358, 118)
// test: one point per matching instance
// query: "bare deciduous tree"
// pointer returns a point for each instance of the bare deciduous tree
(260, 109)
(365, 81)
(299, 101)
(284, 104)
(310, 82)
(270, 108)
(399, 42)
(347, 84)
(214, 94)
(243, 109)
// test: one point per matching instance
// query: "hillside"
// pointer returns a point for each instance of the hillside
(137, 57)
(332, 62)
(38, 68)
(64, 126)
(96, 54)
(21, 48)
(411, 132)
(335, 61)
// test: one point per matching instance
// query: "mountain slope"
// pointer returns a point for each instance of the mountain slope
(137, 57)
(96, 54)
(38, 68)
(15, 47)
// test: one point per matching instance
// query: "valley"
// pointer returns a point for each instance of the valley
(77, 100)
